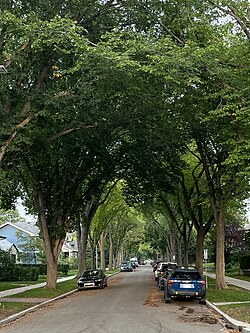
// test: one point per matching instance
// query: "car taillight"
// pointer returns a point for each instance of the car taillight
(203, 283)
(170, 282)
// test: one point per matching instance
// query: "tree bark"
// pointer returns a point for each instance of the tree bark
(111, 260)
(200, 249)
(52, 246)
(220, 255)
(102, 251)
(82, 247)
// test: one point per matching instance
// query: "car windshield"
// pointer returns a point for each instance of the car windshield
(186, 275)
(91, 274)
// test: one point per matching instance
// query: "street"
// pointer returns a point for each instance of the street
(131, 303)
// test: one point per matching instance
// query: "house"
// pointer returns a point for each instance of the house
(20, 233)
(7, 246)
(70, 249)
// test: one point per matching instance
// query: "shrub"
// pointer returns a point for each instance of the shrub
(245, 262)
(64, 268)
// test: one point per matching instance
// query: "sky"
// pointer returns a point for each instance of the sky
(22, 212)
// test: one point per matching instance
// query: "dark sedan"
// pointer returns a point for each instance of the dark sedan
(185, 283)
(93, 278)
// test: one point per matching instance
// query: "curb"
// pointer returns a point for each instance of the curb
(241, 326)
(35, 307)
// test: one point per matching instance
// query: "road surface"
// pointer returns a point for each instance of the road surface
(131, 304)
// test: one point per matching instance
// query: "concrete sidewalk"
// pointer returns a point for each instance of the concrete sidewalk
(241, 326)
(236, 282)
(15, 291)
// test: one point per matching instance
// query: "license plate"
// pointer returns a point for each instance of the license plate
(89, 284)
(187, 285)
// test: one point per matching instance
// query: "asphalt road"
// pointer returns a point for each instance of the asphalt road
(131, 303)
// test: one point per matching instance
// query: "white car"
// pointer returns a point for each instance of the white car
(162, 267)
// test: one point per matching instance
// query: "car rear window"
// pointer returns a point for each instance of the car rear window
(187, 275)
(87, 274)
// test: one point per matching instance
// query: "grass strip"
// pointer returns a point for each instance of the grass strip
(233, 293)
(239, 312)
(62, 288)
(10, 308)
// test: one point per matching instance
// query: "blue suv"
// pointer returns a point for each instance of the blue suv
(186, 283)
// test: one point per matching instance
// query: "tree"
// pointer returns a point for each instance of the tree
(10, 216)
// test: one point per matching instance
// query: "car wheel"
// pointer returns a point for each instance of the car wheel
(101, 285)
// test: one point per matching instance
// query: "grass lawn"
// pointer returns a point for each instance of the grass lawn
(62, 288)
(232, 294)
(9, 308)
(5, 285)
(239, 312)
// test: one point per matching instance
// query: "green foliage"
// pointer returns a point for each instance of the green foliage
(245, 261)
(63, 268)
(10, 216)
(11, 272)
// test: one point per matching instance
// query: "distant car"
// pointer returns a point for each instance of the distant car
(93, 278)
(185, 283)
(126, 267)
(133, 264)
(162, 267)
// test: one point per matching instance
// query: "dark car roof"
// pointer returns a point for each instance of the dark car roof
(92, 272)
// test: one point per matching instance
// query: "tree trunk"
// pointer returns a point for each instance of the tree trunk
(82, 247)
(102, 251)
(92, 259)
(220, 255)
(51, 273)
(111, 263)
(52, 246)
(200, 249)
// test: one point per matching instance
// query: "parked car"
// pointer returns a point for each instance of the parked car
(162, 267)
(133, 264)
(92, 278)
(185, 283)
(126, 267)
(163, 277)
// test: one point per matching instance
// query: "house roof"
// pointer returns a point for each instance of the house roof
(29, 227)
(5, 245)
(70, 246)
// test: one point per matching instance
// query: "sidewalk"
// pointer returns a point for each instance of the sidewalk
(236, 282)
(241, 326)
(15, 291)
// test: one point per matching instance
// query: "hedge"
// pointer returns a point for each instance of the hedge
(245, 262)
